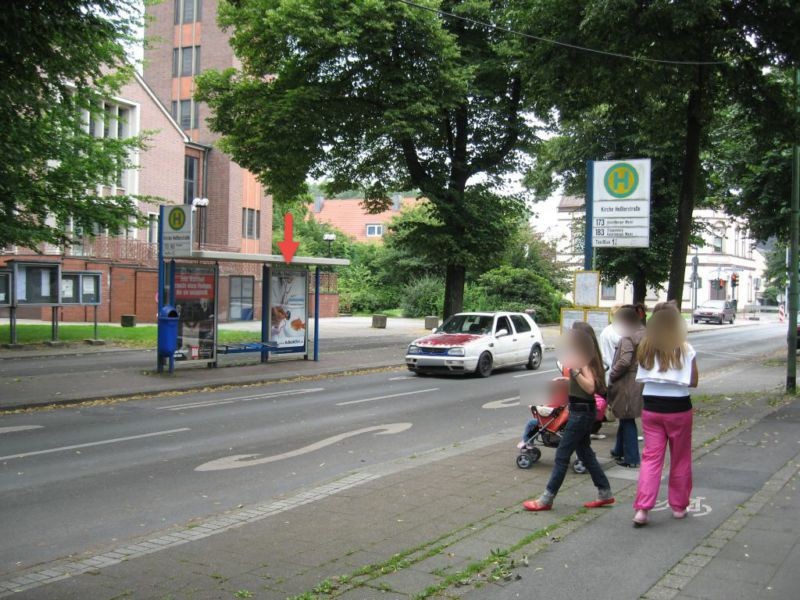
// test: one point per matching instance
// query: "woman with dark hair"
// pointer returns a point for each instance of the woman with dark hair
(668, 369)
(586, 378)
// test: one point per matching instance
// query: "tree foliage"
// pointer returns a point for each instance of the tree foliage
(379, 95)
(58, 60)
(665, 111)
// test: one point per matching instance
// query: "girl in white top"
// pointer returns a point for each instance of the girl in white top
(668, 369)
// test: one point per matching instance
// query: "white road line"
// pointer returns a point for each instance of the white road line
(404, 377)
(531, 374)
(19, 428)
(250, 398)
(89, 444)
(349, 402)
(723, 354)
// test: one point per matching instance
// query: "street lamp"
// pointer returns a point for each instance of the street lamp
(329, 238)
(197, 204)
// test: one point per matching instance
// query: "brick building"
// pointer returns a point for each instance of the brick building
(179, 164)
(184, 40)
(349, 216)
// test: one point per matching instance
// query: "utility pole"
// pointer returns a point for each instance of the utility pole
(794, 239)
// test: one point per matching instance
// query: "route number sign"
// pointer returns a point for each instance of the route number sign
(621, 204)
(177, 233)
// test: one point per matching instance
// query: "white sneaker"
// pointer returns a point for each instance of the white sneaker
(598, 436)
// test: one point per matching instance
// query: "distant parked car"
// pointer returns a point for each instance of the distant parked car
(478, 343)
(715, 311)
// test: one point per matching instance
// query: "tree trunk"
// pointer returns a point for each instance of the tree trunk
(691, 168)
(639, 288)
(454, 289)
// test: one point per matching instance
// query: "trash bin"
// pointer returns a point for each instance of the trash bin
(168, 331)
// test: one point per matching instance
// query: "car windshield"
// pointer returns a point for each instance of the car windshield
(716, 304)
(475, 324)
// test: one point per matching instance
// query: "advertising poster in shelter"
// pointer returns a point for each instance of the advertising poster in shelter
(195, 301)
(288, 310)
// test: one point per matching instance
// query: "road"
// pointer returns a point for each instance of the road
(86, 478)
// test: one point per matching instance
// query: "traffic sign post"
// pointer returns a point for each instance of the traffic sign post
(620, 204)
(177, 231)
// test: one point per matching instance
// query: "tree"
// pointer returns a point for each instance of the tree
(725, 49)
(58, 60)
(381, 95)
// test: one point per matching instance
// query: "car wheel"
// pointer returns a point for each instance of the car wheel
(535, 358)
(484, 368)
(721, 320)
(696, 321)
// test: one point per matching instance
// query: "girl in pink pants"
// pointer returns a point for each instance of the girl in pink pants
(668, 368)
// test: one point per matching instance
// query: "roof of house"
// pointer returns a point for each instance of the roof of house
(570, 203)
(349, 215)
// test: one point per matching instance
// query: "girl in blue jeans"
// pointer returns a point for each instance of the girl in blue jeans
(586, 377)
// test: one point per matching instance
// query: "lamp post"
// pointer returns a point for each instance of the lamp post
(197, 205)
(329, 238)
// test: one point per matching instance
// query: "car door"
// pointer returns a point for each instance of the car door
(503, 346)
(525, 338)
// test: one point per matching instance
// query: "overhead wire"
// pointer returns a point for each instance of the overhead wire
(576, 47)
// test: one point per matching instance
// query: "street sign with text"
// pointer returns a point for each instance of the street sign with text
(621, 204)
(177, 231)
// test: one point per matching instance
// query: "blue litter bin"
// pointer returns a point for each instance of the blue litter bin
(168, 331)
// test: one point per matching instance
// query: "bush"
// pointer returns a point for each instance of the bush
(423, 297)
(510, 288)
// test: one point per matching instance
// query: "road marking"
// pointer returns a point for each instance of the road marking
(404, 377)
(19, 428)
(696, 508)
(349, 402)
(535, 373)
(504, 403)
(250, 460)
(89, 444)
(723, 354)
(221, 401)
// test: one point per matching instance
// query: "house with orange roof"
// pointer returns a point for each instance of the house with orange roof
(349, 215)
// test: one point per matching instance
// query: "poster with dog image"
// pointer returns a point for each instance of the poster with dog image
(288, 309)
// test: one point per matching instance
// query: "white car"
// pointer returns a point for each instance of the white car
(478, 343)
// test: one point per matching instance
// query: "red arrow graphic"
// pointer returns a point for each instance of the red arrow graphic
(288, 246)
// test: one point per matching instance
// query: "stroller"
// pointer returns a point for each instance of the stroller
(550, 421)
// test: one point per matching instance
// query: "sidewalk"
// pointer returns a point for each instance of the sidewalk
(449, 525)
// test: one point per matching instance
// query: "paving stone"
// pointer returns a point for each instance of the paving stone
(712, 588)
(406, 581)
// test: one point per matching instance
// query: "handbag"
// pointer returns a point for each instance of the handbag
(602, 406)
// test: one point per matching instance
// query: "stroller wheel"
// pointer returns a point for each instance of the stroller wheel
(528, 458)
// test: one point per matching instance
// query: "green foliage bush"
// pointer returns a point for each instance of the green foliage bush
(423, 297)
(511, 288)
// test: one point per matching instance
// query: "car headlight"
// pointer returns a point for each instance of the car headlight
(412, 349)
(456, 352)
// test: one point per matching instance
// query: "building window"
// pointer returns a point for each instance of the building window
(186, 113)
(375, 230)
(188, 11)
(189, 59)
(152, 228)
(608, 291)
(717, 243)
(251, 224)
(241, 298)
(191, 177)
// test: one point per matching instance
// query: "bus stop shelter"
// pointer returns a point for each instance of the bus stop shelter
(188, 289)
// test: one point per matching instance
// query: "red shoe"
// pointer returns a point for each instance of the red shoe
(536, 506)
(599, 503)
